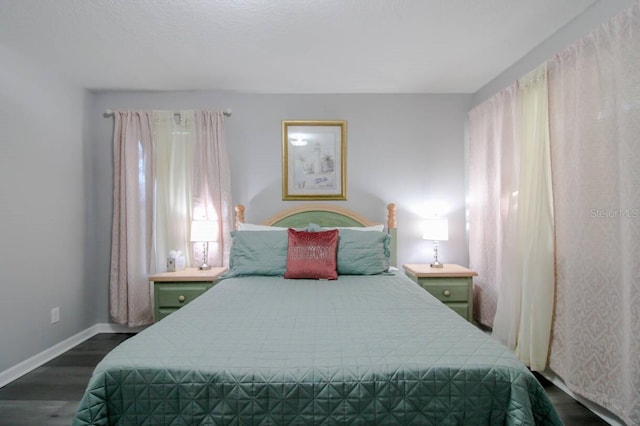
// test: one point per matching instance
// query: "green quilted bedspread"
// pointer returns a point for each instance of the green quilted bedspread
(270, 351)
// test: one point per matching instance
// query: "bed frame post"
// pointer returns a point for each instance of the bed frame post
(239, 215)
(392, 229)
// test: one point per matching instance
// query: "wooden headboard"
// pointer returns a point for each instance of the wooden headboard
(327, 215)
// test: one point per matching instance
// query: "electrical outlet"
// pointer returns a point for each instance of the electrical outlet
(55, 315)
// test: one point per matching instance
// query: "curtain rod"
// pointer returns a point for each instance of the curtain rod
(227, 112)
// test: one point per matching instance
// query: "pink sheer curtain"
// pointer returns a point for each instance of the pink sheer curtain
(492, 182)
(131, 237)
(594, 133)
(511, 219)
(595, 150)
(212, 182)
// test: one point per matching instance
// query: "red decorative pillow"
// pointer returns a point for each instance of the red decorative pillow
(312, 255)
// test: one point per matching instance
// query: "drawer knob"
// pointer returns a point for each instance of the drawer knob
(181, 298)
(446, 293)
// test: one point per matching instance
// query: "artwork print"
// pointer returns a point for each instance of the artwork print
(314, 160)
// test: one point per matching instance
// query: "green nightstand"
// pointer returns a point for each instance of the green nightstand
(452, 285)
(173, 290)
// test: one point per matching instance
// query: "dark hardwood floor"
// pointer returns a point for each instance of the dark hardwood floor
(571, 411)
(49, 395)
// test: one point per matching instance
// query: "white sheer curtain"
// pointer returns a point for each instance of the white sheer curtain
(525, 297)
(595, 140)
(173, 172)
(170, 168)
(131, 236)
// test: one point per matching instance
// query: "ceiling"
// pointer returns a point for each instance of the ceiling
(281, 46)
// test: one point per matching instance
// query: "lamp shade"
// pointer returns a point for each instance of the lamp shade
(436, 230)
(204, 231)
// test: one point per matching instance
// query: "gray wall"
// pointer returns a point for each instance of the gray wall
(405, 149)
(42, 210)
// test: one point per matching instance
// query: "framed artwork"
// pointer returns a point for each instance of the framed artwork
(314, 160)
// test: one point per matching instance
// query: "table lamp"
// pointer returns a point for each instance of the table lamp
(436, 230)
(204, 231)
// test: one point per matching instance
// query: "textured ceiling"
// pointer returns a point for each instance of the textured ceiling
(281, 46)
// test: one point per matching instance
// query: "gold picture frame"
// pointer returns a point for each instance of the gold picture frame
(314, 160)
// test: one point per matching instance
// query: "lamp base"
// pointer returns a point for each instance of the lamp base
(205, 257)
(435, 263)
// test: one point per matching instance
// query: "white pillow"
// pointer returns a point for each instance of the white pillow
(252, 227)
(379, 228)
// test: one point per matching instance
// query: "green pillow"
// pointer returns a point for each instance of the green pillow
(363, 252)
(258, 253)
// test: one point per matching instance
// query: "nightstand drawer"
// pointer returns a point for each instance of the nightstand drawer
(175, 295)
(447, 291)
(460, 308)
(163, 312)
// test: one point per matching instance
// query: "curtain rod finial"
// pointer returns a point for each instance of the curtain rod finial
(227, 112)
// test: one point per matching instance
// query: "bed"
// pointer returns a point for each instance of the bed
(359, 349)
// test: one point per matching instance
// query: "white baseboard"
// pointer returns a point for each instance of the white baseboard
(9, 375)
(597, 409)
(116, 328)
